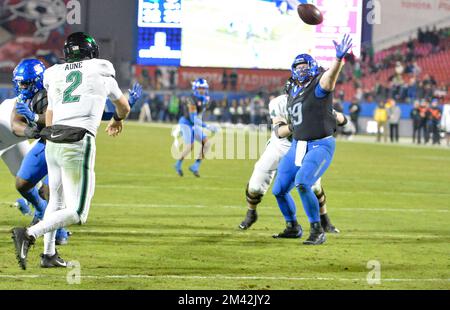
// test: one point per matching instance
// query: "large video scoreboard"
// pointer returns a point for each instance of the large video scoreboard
(260, 34)
(159, 32)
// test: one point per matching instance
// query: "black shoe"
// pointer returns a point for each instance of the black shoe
(194, 172)
(327, 226)
(317, 235)
(292, 231)
(22, 243)
(54, 261)
(250, 219)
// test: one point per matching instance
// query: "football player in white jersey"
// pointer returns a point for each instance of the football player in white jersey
(264, 173)
(77, 92)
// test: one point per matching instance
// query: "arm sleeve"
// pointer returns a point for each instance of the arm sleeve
(112, 89)
(320, 92)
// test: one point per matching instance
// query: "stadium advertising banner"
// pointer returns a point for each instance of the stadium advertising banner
(255, 34)
(247, 79)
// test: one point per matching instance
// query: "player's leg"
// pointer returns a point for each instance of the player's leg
(315, 163)
(78, 183)
(187, 132)
(200, 137)
(283, 184)
(324, 218)
(262, 176)
(50, 256)
(13, 158)
(24, 238)
(33, 170)
(62, 235)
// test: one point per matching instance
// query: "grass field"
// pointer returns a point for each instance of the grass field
(150, 229)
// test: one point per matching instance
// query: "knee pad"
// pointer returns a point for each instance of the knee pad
(253, 198)
(321, 197)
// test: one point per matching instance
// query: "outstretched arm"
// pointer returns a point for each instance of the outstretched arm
(329, 78)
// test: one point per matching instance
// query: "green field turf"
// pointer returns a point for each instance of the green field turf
(150, 229)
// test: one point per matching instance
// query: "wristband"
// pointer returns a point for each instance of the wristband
(116, 117)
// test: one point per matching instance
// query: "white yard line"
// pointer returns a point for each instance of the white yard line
(236, 234)
(221, 277)
(181, 206)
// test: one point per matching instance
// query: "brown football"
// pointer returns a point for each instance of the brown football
(310, 14)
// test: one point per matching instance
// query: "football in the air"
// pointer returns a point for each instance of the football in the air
(310, 14)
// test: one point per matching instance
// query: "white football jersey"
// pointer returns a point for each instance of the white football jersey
(7, 137)
(77, 92)
(278, 108)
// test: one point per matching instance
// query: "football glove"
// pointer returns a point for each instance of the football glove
(135, 93)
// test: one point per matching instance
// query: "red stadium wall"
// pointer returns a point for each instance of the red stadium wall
(247, 79)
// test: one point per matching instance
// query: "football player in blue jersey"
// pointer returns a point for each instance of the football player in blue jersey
(312, 124)
(191, 125)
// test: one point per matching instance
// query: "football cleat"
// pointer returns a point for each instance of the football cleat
(194, 172)
(178, 169)
(326, 224)
(23, 206)
(62, 236)
(331, 229)
(22, 242)
(292, 231)
(249, 220)
(316, 235)
(54, 261)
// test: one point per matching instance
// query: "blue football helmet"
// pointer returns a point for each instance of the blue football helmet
(305, 74)
(200, 84)
(28, 78)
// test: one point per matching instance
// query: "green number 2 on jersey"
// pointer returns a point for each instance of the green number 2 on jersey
(74, 77)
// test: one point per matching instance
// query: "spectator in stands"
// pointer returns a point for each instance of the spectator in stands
(411, 92)
(255, 110)
(440, 92)
(145, 113)
(234, 111)
(355, 109)
(158, 79)
(415, 117)
(234, 79)
(394, 115)
(240, 112)
(435, 120)
(380, 116)
(164, 111)
(445, 124)
(174, 107)
(420, 36)
(423, 125)
(224, 80)
(172, 79)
